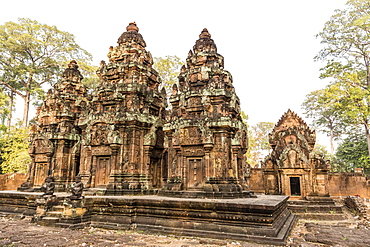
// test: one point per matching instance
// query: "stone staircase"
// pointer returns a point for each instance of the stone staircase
(317, 208)
(63, 215)
(51, 217)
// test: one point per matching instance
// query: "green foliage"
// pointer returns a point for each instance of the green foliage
(14, 155)
(258, 136)
(34, 54)
(168, 69)
(346, 101)
(321, 150)
(4, 108)
(351, 153)
(324, 107)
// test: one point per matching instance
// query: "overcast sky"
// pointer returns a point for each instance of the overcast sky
(268, 45)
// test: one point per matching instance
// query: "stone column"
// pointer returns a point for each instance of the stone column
(207, 160)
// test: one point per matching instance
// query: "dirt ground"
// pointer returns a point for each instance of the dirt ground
(16, 230)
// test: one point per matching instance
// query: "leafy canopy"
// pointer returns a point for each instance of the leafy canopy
(346, 51)
(259, 146)
(14, 155)
(34, 54)
(168, 69)
(351, 153)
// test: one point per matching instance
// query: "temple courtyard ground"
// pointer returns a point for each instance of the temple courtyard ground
(17, 230)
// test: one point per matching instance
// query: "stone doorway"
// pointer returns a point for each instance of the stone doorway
(195, 172)
(156, 172)
(295, 186)
(40, 173)
(102, 170)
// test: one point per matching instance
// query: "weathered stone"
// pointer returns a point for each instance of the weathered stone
(205, 135)
(292, 168)
(121, 140)
(55, 140)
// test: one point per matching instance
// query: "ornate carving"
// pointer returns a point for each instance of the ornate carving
(120, 136)
(292, 142)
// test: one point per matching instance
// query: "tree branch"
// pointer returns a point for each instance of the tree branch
(13, 89)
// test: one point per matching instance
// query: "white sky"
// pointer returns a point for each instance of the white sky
(268, 45)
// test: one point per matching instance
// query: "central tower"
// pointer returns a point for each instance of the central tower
(122, 138)
(205, 136)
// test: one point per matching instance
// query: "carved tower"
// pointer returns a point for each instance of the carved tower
(205, 135)
(292, 168)
(122, 138)
(55, 139)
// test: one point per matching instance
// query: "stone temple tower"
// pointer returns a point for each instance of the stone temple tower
(205, 136)
(122, 137)
(55, 140)
(292, 168)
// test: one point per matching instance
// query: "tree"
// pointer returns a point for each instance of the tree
(321, 105)
(168, 69)
(14, 155)
(321, 150)
(347, 54)
(4, 110)
(259, 145)
(351, 153)
(32, 55)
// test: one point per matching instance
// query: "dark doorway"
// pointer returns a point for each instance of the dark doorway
(102, 171)
(295, 186)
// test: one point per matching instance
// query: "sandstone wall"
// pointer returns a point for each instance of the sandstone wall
(12, 181)
(347, 184)
(339, 184)
(256, 181)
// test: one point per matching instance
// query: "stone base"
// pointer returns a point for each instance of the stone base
(263, 219)
(206, 194)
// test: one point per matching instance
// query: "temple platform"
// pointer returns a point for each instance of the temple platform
(263, 219)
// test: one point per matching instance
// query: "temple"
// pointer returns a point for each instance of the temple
(292, 168)
(205, 136)
(123, 138)
(137, 157)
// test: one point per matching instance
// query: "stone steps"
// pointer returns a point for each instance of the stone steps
(305, 208)
(321, 216)
(48, 221)
(54, 214)
(58, 208)
(317, 208)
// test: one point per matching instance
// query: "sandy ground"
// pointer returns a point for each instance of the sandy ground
(17, 230)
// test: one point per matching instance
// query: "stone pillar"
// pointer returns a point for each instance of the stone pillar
(114, 180)
(207, 160)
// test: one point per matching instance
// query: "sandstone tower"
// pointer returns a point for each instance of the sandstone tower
(122, 138)
(55, 142)
(205, 136)
(292, 168)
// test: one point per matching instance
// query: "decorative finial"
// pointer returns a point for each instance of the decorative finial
(204, 34)
(73, 64)
(132, 27)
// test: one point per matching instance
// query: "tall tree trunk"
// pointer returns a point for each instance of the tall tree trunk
(367, 131)
(11, 101)
(331, 142)
(26, 109)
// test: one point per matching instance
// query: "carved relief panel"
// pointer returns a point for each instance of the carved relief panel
(195, 172)
(102, 170)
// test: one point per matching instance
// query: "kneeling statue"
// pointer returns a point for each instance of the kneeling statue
(76, 188)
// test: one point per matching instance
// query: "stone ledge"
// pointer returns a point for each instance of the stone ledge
(264, 219)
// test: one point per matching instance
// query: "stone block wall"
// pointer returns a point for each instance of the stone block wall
(346, 184)
(12, 181)
(256, 181)
(339, 184)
